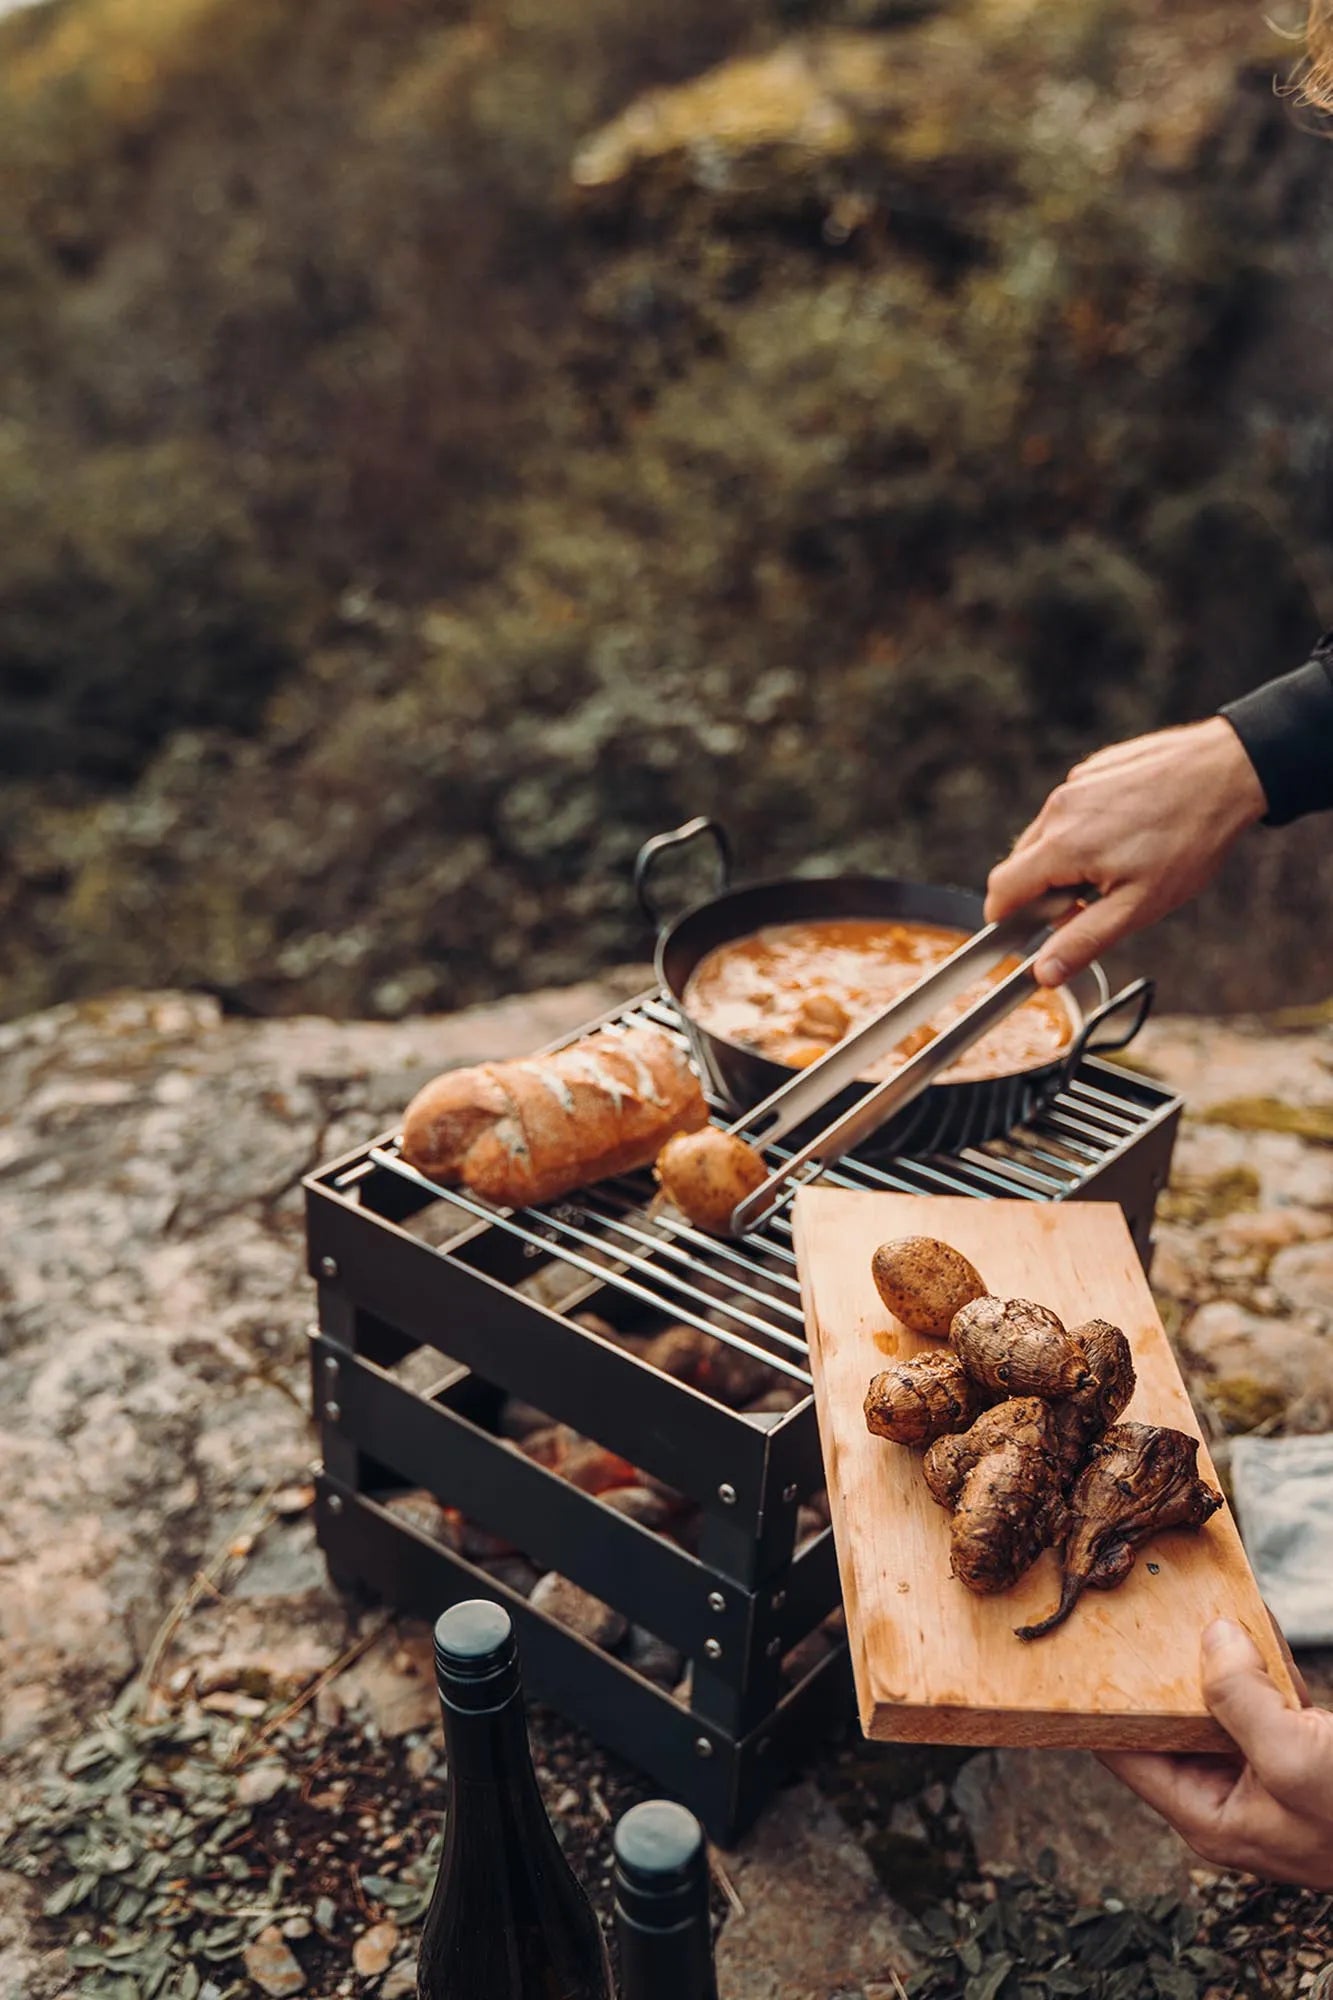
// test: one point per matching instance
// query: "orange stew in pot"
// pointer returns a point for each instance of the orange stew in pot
(792, 990)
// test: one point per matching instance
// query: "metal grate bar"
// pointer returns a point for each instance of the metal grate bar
(676, 1228)
(1051, 1157)
(603, 1273)
(992, 1179)
(543, 1231)
(664, 1247)
(1095, 1101)
(746, 1294)
(1071, 1139)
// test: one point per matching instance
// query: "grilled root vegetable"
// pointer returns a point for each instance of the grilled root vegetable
(1106, 1397)
(1002, 1479)
(1008, 1511)
(1086, 1414)
(922, 1399)
(707, 1173)
(1018, 1349)
(1139, 1479)
(1024, 1420)
(924, 1282)
(1014, 1418)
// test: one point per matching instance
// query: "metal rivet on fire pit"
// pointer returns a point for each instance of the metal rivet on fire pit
(328, 1267)
(773, 1648)
(332, 1411)
(713, 1648)
(779, 1599)
(331, 1367)
(335, 1503)
(789, 1492)
(726, 1493)
(716, 1601)
(702, 1747)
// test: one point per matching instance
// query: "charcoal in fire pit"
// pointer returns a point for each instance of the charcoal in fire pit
(640, 1504)
(652, 1657)
(709, 1365)
(810, 1525)
(685, 1530)
(594, 1323)
(676, 1502)
(421, 1510)
(584, 1464)
(515, 1572)
(593, 1469)
(579, 1610)
(806, 1655)
(519, 1419)
(467, 1539)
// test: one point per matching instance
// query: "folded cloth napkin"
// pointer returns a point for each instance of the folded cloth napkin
(1284, 1502)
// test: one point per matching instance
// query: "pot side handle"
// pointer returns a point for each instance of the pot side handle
(651, 849)
(1138, 996)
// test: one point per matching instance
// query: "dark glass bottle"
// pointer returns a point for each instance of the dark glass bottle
(662, 1926)
(508, 1920)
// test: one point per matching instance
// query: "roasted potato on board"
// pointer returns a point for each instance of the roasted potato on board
(924, 1283)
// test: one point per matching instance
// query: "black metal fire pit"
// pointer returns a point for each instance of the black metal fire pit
(407, 1271)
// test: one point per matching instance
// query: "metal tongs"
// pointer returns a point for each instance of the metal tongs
(1024, 933)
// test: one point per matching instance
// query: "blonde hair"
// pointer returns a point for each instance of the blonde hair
(1316, 78)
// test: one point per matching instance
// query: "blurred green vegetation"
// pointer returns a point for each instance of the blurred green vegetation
(428, 465)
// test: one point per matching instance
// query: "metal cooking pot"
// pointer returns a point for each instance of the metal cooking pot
(947, 1117)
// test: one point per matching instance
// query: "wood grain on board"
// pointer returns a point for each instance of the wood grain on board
(933, 1662)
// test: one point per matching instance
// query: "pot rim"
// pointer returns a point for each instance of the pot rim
(1076, 1009)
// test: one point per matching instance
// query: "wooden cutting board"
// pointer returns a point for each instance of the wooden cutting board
(933, 1662)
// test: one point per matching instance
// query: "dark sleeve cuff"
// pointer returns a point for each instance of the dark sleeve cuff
(1287, 730)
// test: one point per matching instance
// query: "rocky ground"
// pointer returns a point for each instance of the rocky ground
(225, 1779)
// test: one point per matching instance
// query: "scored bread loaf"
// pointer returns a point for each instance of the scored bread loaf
(527, 1131)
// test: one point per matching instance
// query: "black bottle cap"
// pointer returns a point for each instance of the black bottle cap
(476, 1655)
(661, 1865)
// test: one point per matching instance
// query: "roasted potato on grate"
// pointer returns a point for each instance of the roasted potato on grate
(707, 1173)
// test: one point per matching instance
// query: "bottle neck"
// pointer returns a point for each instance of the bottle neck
(489, 1748)
(666, 1964)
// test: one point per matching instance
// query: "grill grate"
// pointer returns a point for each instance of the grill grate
(746, 1293)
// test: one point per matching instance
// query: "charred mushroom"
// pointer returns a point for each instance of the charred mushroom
(1139, 1479)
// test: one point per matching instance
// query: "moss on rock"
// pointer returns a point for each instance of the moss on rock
(1207, 1199)
(1272, 1114)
